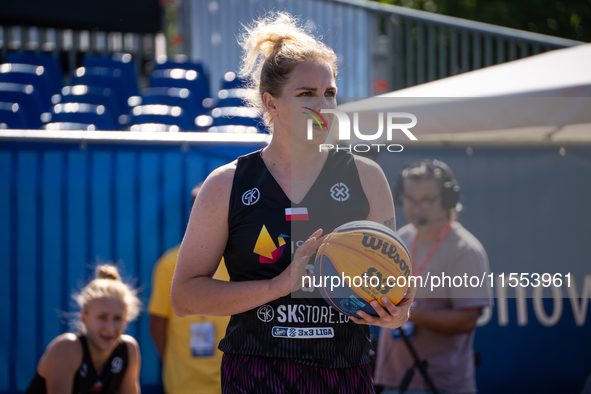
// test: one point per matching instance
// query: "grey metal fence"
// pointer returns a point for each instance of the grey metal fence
(414, 47)
(213, 28)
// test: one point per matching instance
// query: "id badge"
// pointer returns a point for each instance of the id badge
(202, 339)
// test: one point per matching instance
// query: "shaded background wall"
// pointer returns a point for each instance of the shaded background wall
(66, 207)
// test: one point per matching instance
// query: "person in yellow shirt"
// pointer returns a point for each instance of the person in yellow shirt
(187, 346)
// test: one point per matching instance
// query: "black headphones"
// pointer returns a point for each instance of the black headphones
(450, 192)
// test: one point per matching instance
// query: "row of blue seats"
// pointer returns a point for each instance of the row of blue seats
(148, 114)
(105, 91)
(12, 115)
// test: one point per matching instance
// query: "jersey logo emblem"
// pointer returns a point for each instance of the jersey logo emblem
(84, 370)
(266, 313)
(296, 214)
(279, 332)
(250, 197)
(302, 332)
(266, 249)
(97, 388)
(340, 192)
(116, 365)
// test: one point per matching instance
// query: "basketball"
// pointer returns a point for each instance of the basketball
(359, 262)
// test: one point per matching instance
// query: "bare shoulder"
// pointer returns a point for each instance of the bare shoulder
(65, 343)
(371, 174)
(223, 173)
(133, 348)
(218, 184)
(130, 341)
(376, 188)
(64, 351)
(368, 167)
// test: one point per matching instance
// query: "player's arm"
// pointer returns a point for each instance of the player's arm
(381, 210)
(194, 291)
(157, 329)
(131, 381)
(60, 362)
(376, 188)
(447, 321)
(159, 307)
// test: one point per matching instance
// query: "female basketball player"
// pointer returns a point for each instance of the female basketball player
(98, 358)
(277, 343)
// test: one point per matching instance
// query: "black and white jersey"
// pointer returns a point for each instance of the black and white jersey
(265, 229)
(87, 379)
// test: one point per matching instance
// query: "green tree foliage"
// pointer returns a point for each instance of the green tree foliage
(562, 18)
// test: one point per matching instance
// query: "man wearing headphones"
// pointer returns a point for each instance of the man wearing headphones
(444, 319)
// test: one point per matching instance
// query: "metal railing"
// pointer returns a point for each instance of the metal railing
(413, 47)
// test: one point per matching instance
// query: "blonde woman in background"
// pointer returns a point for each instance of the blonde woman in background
(98, 358)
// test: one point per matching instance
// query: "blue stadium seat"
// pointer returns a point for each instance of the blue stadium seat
(203, 122)
(69, 126)
(154, 127)
(234, 129)
(183, 62)
(232, 81)
(237, 116)
(96, 115)
(107, 78)
(12, 116)
(30, 75)
(192, 80)
(162, 114)
(232, 97)
(91, 95)
(47, 60)
(27, 98)
(232, 94)
(120, 61)
(179, 97)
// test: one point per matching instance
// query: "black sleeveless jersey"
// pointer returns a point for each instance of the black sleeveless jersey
(264, 227)
(87, 379)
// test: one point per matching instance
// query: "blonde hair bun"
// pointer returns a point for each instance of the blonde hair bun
(273, 46)
(107, 271)
(269, 35)
(108, 284)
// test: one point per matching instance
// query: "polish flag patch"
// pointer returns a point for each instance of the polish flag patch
(295, 214)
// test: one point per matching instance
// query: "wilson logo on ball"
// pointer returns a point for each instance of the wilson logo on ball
(390, 250)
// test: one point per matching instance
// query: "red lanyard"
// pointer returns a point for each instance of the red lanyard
(434, 247)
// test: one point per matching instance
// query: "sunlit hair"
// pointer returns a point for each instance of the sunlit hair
(424, 171)
(108, 284)
(273, 46)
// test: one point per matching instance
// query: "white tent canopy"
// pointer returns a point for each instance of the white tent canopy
(540, 99)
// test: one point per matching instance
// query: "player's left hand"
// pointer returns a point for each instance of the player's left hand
(393, 316)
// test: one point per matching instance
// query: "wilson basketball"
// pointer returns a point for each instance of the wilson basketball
(359, 262)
